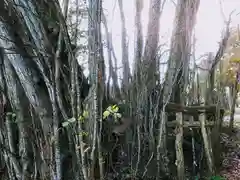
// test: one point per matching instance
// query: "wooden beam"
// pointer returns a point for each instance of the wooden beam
(188, 124)
(207, 144)
(173, 107)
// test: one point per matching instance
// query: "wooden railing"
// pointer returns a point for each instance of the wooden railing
(196, 117)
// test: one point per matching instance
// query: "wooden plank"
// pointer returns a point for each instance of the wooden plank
(188, 124)
(173, 107)
(179, 149)
(207, 144)
(216, 139)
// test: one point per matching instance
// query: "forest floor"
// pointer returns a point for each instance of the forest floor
(230, 169)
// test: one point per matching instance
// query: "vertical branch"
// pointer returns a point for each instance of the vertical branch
(207, 145)
(76, 106)
(125, 61)
(78, 111)
(56, 77)
(112, 72)
(161, 154)
(233, 105)
(97, 80)
(179, 148)
(93, 76)
(56, 85)
(138, 55)
(149, 56)
(100, 79)
(139, 38)
(15, 163)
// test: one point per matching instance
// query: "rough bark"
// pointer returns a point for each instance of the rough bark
(125, 61)
(97, 71)
(139, 38)
(185, 19)
(28, 42)
(112, 72)
(150, 51)
(177, 73)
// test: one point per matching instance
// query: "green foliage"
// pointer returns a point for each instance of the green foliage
(217, 178)
(73, 120)
(81, 118)
(212, 178)
(112, 110)
(84, 133)
(69, 121)
(84, 116)
(12, 116)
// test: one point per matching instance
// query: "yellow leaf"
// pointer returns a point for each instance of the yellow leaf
(110, 109)
(80, 118)
(83, 133)
(115, 108)
(85, 114)
(106, 114)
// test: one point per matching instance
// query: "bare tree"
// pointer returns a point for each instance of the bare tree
(125, 61)
(112, 71)
(178, 64)
(151, 45)
(97, 78)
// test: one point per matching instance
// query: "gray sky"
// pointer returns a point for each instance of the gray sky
(208, 28)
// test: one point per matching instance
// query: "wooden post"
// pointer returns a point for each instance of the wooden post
(216, 137)
(179, 149)
(207, 145)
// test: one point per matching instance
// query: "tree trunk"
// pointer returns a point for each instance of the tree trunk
(26, 80)
(178, 64)
(112, 72)
(185, 18)
(150, 51)
(125, 61)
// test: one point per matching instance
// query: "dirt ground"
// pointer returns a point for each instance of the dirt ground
(230, 168)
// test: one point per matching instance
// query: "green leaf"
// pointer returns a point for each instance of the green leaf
(117, 115)
(81, 118)
(85, 114)
(65, 124)
(9, 113)
(109, 109)
(83, 133)
(72, 120)
(106, 114)
(217, 178)
(115, 108)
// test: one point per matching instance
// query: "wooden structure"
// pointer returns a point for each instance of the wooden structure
(206, 118)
